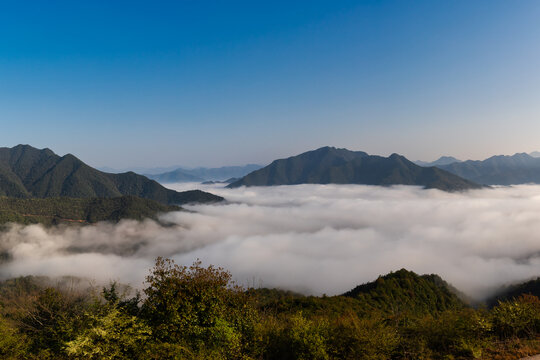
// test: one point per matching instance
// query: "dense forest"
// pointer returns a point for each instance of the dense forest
(198, 312)
(53, 211)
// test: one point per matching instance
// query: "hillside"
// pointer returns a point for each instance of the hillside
(329, 165)
(406, 291)
(183, 308)
(27, 172)
(512, 292)
(53, 211)
(499, 170)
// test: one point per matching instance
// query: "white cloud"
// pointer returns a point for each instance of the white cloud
(312, 238)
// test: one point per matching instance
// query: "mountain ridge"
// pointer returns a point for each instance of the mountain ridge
(201, 174)
(443, 160)
(27, 172)
(329, 165)
(520, 168)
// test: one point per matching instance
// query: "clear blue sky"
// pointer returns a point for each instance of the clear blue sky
(196, 82)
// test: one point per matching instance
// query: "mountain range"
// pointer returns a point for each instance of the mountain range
(329, 165)
(498, 170)
(27, 172)
(201, 174)
(443, 160)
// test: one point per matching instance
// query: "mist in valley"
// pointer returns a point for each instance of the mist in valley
(313, 239)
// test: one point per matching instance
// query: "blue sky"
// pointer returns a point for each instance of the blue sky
(135, 83)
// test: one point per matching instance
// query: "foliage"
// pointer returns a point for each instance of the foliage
(198, 313)
(53, 211)
(197, 306)
(405, 291)
(110, 335)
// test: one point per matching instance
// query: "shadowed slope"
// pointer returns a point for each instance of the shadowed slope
(329, 165)
(29, 172)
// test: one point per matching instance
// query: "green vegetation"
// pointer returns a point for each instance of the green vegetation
(512, 292)
(52, 211)
(26, 172)
(329, 165)
(404, 291)
(197, 312)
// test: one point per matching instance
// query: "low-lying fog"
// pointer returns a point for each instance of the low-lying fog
(310, 238)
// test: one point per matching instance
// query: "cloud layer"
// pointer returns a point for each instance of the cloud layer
(310, 238)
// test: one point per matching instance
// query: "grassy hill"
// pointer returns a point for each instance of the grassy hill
(53, 211)
(27, 172)
(329, 165)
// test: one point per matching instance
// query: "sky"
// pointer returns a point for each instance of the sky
(211, 83)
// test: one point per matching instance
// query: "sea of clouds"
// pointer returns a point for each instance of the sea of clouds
(309, 238)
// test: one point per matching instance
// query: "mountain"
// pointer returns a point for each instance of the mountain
(177, 175)
(27, 172)
(443, 160)
(52, 211)
(204, 174)
(499, 170)
(511, 292)
(406, 291)
(535, 154)
(329, 165)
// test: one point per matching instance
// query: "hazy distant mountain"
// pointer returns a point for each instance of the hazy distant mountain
(535, 154)
(499, 170)
(443, 160)
(329, 165)
(204, 174)
(178, 175)
(29, 172)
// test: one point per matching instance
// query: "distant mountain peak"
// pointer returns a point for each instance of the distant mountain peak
(443, 160)
(201, 174)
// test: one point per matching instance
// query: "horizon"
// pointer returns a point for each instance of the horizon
(155, 169)
(236, 83)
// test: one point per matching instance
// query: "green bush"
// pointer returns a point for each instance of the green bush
(199, 307)
(517, 318)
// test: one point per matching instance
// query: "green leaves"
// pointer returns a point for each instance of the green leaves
(198, 313)
(198, 306)
(111, 335)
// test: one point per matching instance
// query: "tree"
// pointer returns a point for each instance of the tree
(199, 307)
